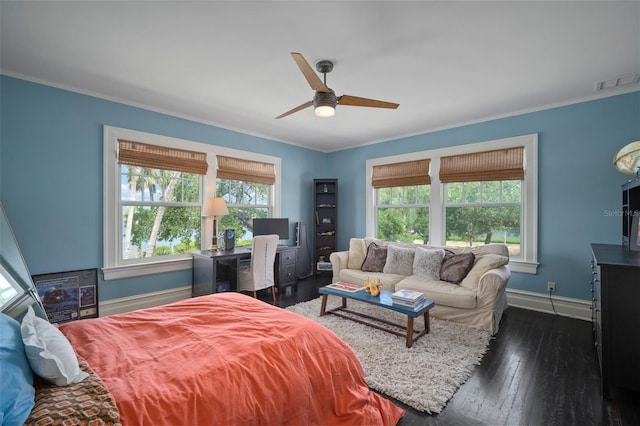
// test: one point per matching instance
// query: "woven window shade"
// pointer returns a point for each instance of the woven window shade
(502, 164)
(159, 157)
(245, 170)
(401, 174)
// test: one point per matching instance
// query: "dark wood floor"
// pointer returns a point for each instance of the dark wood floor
(540, 369)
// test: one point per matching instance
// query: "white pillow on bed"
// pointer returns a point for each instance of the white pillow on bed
(50, 354)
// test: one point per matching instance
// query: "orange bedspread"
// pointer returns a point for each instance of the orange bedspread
(227, 359)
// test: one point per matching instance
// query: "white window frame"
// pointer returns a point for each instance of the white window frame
(112, 268)
(528, 263)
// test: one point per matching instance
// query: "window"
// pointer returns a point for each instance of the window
(152, 212)
(402, 213)
(490, 204)
(402, 197)
(245, 201)
(160, 213)
(483, 196)
(484, 212)
(247, 188)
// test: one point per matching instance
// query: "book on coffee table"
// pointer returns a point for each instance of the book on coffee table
(349, 288)
(407, 296)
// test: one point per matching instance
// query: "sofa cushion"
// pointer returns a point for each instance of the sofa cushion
(356, 276)
(493, 248)
(376, 258)
(358, 251)
(427, 263)
(482, 264)
(399, 260)
(441, 292)
(455, 267)
(499, 249)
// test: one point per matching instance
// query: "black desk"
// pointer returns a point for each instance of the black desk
(215, 271)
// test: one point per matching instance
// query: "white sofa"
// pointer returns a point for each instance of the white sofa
(478, 300)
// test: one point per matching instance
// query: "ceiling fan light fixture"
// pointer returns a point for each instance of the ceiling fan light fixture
(324, 104)
(325, 111)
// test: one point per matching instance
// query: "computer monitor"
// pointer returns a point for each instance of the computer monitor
(268, 226)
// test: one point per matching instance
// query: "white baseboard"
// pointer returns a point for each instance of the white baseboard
(564, 306)
(146, 300)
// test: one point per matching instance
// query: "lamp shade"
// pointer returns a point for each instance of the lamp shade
(627, 160)
(214, 207)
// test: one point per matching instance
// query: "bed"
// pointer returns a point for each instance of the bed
(223, 359)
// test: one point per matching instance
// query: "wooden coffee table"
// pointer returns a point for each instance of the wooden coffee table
(384, 301)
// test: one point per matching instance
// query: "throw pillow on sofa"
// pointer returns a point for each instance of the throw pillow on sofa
(482, 264)
(427, 263)
(358, 251)
(399, 260)
(376, 258)
(455, 267)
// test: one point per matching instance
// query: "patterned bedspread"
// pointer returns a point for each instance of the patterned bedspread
(84, 403)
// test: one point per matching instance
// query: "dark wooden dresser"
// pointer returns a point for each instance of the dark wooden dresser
(616, 316)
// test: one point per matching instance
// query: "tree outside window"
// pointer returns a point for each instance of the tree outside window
(483, 213)
(160, 212)
(403, 213)
(245, 201)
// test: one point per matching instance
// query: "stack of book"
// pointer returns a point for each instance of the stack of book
(408, 298)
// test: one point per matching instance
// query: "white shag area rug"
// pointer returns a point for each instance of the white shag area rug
(424, 376)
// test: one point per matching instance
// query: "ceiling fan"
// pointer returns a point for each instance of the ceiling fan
(325, 99)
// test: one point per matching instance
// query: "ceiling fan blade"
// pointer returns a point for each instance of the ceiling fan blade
(364, 102)
(296, 109)
(309, 73)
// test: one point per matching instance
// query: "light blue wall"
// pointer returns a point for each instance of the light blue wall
(51, 175)
(577, 182)
(51, 178)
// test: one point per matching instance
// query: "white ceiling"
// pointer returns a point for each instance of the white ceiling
(229, 63)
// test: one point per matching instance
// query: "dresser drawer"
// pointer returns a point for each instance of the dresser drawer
(287, 257)
(287, 275)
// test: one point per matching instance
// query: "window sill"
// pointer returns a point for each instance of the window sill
(526, 267)
(137, 270)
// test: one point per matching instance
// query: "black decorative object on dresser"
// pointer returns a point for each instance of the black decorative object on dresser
(616, 316)
(325, 204)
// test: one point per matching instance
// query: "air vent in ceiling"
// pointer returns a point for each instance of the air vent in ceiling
(620, 81)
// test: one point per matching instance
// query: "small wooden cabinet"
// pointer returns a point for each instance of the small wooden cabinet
(616, 316)
(285, 266)
(325, 235)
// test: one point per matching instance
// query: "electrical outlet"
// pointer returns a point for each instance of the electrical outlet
(551, 286)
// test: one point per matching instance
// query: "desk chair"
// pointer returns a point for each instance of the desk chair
(259, 275)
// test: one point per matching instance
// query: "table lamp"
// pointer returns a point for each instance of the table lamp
(214, 206)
